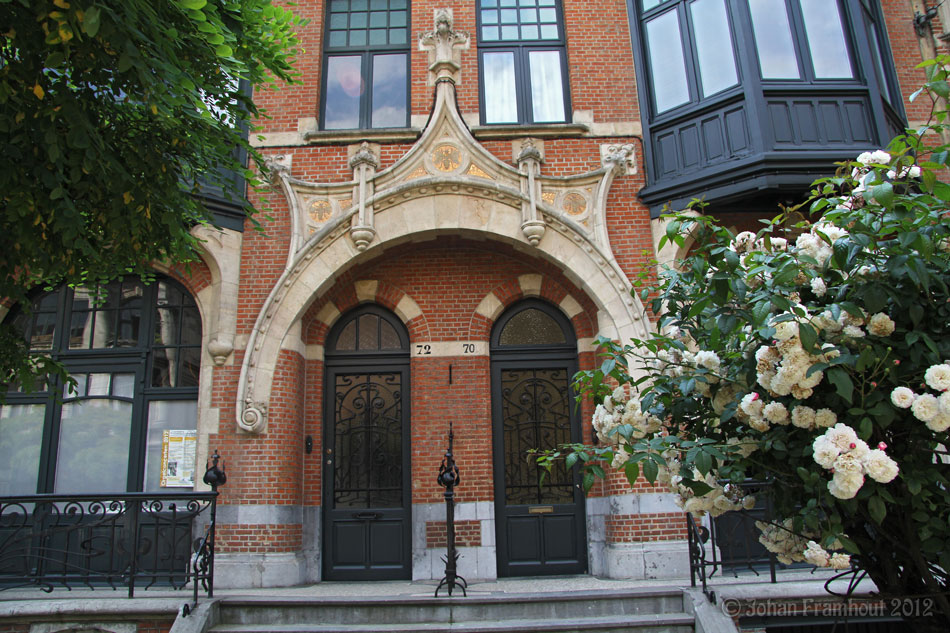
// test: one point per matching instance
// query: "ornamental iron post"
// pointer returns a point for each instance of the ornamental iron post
(449, 478)
(214, 477)
(202, 560)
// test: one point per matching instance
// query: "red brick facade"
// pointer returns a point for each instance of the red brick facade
(549, 213)
(447, 275)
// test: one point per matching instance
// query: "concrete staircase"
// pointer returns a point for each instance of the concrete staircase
(639, 611)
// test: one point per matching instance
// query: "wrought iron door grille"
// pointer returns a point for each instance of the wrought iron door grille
(536, 414)
(368, 441)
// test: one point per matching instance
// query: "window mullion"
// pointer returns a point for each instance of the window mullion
(523, 84)
(366, 97)
(806, 65)
(691, 56)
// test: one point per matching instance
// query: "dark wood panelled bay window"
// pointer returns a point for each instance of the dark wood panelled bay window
(746, 96)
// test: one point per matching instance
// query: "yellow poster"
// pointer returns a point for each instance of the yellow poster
(178, 458)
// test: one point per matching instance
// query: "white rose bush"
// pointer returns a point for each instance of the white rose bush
(814, 355)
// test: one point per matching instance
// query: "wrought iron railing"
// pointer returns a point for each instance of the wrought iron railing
(133, 540)
(730, 543)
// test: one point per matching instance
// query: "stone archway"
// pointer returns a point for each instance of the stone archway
(437, 211)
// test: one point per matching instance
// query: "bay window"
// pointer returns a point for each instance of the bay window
(744, 100)
(522, 62)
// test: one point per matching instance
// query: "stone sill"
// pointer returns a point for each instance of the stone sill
(551, 130)
(349, 137)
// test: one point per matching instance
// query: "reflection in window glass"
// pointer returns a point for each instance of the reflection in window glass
(93, 454)
(501, 104)
(773, 39)
(547, 89)
(123, 385)
(667, 64)
(531, 327)
(109, 320)
(21, 435)
(165, 415)
(389, 90)
(876, 50)
(344, 88)
(717, 64)
(829, 51)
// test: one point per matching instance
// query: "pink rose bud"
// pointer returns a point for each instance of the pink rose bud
(882, 445)
(852, 445)
(873, 384)
(755, 396)
(897, 362)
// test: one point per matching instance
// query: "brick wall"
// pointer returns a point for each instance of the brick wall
(446, 277)
(467, 534)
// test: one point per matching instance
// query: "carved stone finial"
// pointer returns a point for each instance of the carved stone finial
(253, 417)
(533, 230)
(444, 45)
(529, 151)
(362, 236)
(364, 156)
(622, 158)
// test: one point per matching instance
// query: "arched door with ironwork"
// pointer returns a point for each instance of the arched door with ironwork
(539, 525)
(366, 498)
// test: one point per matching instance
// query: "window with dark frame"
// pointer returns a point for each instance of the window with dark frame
(794, 41)
(522, 62)
(689, 44)
(366, 65)
(134, 351)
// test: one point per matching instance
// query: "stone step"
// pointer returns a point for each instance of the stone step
(648, 623)
(658, 610)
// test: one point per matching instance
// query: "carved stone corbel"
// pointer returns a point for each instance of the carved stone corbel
(445, 48)
(279, 166)
(364, 164)
(529, 164)
(621, 158)
(220, 348)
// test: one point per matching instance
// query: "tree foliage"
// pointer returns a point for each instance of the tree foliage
(112, 111)
(812, 355)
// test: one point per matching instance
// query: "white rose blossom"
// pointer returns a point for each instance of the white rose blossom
(850, 459)
(902, 397)
(877, 157)
(925, 407)
(879, 466)
(937, 377)
(776, 413)
(881, 325)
